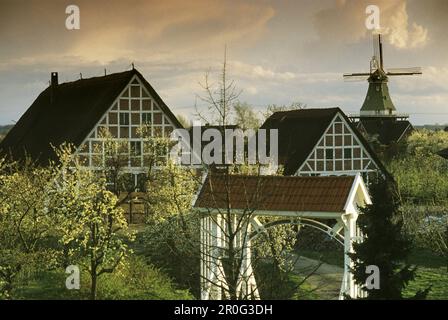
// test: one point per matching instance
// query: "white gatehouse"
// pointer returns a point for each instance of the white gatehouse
(231, 206)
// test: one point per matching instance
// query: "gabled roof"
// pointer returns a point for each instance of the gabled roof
(387, 130)
(69, 116)
(276, 193)
(298, 133)
(300, 130)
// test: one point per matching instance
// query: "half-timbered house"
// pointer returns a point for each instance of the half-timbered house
(77, 112)
(322, 142)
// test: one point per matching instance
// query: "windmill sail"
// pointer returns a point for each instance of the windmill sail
(378, 102)
(376, 51)
(404, 71)
(352, 77)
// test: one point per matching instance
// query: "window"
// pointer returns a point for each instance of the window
(146, 118)
(136, 148)
(329, 154)
(347, 153)
(124, 119)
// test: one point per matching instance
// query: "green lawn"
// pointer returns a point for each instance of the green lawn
(334, 257)
(142, 281)
(431, 270)
(48, 286)
(305, 291)
(136, 281)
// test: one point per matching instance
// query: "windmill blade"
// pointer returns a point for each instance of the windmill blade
(356, 76)
(376, 47)
(358, 79)
(404, 71)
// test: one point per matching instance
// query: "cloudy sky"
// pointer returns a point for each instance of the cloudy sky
(279, 51)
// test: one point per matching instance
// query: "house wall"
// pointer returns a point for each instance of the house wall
(133, 110)
(338, 152)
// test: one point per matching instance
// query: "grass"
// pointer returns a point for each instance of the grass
(334, 257)
(305, 291)
(136, 281)
(436, 278)
(46, 286)
(431, 270)
(140, 280)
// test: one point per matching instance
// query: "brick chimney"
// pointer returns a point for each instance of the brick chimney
(54, 79)
(53, 86)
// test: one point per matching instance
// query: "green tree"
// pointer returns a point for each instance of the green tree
(426, 141)
(245, 116)
(422, 177)
(384, 245)
(170, 191)
(26, 222)
(90, 222)
(273, 108)
(172, 227)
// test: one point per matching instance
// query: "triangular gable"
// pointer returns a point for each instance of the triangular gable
(137, 105)
(340, 150)
(358, 196)
(298, 133)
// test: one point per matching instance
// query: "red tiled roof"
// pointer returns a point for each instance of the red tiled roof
(275, 193)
